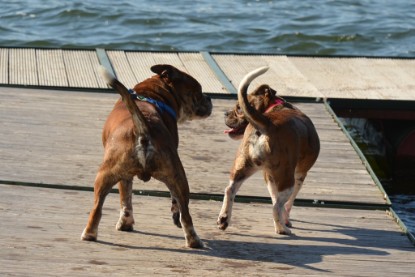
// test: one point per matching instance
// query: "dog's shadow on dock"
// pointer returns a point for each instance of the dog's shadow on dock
(291, 251)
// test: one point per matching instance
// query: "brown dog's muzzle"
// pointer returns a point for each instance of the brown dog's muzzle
(236, 121)
(204, 109)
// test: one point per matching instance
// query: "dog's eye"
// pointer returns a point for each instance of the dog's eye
(238, 109)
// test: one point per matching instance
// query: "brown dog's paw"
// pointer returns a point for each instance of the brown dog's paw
(283, 231)
(125, 223)
(195, 243)
(124, 228)
(222, 222)
(88, 237)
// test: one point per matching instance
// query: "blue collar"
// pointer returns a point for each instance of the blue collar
(161, 106)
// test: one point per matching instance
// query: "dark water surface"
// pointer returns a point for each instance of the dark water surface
(318, 27)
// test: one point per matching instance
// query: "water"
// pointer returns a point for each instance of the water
(318, 27)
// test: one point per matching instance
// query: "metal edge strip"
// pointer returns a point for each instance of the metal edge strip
(218, 72)
(104, 60)
(214, 197)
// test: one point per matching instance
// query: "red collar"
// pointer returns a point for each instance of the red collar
(276, 103)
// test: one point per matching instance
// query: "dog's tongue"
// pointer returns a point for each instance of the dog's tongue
(229, 131)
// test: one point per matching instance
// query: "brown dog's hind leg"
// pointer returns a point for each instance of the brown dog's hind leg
(176, 213)
(299, 180)
(179, 189)
(126, 221)
(279, 198)
(102, 186)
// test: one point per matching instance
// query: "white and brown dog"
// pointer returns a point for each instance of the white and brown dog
(277, 138)
(140, 138)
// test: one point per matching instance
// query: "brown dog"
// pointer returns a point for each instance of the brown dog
(140, 138)
(277, 138)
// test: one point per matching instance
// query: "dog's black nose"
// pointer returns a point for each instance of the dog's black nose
(226, 113)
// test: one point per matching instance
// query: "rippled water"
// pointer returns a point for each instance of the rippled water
(320, 27)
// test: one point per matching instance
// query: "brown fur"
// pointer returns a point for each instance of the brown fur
(140, 140)
(282, 142)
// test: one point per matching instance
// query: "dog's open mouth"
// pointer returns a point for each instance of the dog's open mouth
(237, 131)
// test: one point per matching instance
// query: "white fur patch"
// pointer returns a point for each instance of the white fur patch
(106, 75)
(144, 152)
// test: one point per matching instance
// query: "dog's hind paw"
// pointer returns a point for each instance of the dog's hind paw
(195, 243)
(125, 223)
(124, 227)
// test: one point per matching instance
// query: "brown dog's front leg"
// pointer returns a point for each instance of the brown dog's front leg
(237, 177)
(225, 214)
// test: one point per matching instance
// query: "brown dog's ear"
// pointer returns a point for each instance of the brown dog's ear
(269, 92)
(165, 71)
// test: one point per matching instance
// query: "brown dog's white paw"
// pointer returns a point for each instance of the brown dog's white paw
(283, 230)
(222, 222)
(88, 236)
(122, 226)
(125, 223)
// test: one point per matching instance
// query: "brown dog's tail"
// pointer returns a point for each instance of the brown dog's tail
(258, 120)
(138, 118)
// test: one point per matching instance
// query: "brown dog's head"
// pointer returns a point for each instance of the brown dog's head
(193, 103)
(260, 99)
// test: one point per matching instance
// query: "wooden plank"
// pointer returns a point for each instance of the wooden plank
(406, 80)
(356, 78)
(38, 123)
(141, 63)
(81, 67)
(4, 66)
(283, 76)
(169, 58)
(386, 76)
(231, 67)
(51, 68)
(40, 231)
(199, 69)
(22, 67)
(287, 79)
(191, 63)
(122, 68)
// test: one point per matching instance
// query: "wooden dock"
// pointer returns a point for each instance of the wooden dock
(50, 149)
(313, 77)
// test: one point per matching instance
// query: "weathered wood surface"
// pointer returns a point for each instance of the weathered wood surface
(40, 231)
(351, 78)
(54, 137)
